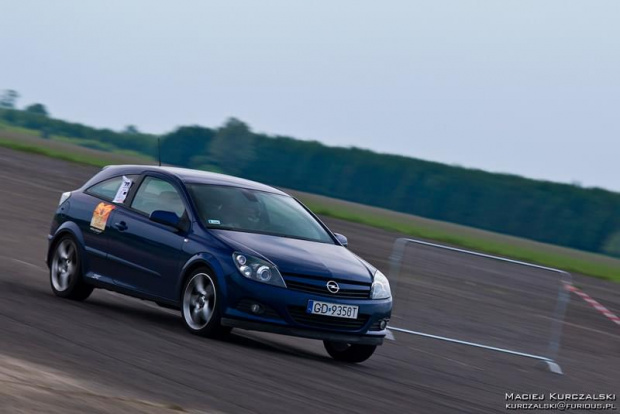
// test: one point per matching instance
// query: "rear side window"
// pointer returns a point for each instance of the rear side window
(106, 189)
(155, 194)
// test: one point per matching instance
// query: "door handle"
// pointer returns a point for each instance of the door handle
(121, 226)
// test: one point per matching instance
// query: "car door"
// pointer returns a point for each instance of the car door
(94, 214)
(145, 254)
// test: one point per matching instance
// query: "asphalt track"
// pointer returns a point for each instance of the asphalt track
(116, 354)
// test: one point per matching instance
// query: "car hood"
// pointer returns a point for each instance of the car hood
(300, 257)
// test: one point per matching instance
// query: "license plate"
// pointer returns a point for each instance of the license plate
(332, 309)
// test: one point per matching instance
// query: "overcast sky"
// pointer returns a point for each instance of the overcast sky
(525, 87)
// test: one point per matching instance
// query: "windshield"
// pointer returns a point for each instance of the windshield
(242, 209)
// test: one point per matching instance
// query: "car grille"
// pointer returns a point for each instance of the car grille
(348, 290)
(298, 313)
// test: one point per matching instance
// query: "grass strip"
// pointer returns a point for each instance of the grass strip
(537, 256)
(50, 152)
(565, 262)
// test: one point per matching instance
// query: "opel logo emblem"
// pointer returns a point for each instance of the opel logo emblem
(333, 287)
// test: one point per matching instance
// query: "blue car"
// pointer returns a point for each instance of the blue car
(226, 252)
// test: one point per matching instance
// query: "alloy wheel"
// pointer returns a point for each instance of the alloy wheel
(64, 265)
(199, 301)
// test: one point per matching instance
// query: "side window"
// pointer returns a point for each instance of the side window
(106, 189)
(155, 194)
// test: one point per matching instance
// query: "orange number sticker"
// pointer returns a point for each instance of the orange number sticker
(100, 217)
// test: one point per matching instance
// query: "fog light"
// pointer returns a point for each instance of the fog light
(383, 324)
(256, 308)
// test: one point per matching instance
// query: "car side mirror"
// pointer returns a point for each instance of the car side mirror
(342, 239)
(165, 217)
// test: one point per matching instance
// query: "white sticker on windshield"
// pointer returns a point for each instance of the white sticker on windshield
(123, 190)
(214, 222)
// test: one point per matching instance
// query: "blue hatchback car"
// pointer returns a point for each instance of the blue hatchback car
(227, 252)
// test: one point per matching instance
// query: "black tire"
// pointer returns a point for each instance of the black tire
(200, 305)
(351, 353)
(66, 278)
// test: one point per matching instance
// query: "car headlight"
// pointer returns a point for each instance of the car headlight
(380, 287)
(64, 197)
(257, 269)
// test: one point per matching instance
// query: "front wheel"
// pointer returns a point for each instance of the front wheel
(352, 353)
(66, 271)
(200, 305)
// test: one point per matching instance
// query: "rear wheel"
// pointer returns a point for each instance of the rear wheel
(200, 305)
(352, 353)
(66, 271)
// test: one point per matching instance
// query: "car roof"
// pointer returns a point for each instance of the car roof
(190, 176)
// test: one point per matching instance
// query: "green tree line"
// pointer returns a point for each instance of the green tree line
(35, 117)
(567, 215)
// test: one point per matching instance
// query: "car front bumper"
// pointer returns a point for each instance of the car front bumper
(283, 312)
(372, 339)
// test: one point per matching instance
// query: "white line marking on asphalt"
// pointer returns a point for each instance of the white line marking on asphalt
(30, 264)
(30, 183)
(25, 263)
(585, 328)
